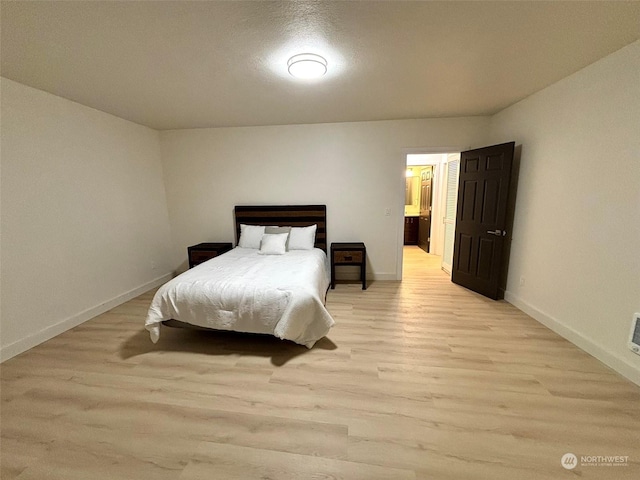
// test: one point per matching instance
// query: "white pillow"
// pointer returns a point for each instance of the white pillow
(273, 244)
(302, 238)
(273, 229)
(250, 236)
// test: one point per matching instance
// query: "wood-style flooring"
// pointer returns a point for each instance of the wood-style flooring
(417, 380)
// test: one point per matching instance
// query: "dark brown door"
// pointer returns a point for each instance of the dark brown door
(483, 191)
(424, 226)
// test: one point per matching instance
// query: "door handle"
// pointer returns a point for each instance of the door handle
(497, 233)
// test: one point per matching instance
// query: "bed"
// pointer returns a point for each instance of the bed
(278, 288)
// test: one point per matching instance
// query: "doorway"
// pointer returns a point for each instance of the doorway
(430, 217)
(478, 255)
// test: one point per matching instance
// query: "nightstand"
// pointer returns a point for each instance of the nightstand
(349, 254)
(205, 251)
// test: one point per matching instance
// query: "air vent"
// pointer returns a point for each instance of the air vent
(634, 338)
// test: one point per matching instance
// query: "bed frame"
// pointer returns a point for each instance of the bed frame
(285, 215)
(279, 215)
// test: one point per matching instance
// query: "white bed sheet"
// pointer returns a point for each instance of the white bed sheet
(241, 290)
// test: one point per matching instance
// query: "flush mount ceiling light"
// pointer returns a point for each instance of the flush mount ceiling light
(307, 65)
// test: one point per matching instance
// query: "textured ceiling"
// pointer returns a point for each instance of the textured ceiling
(173, 65)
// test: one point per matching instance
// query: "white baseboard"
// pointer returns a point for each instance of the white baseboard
(24, 344)
(355, 276)
(616, 363)
(385, 277)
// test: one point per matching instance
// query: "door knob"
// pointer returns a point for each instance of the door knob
(497, 233)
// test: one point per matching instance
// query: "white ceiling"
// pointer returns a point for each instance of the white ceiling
(173, 65)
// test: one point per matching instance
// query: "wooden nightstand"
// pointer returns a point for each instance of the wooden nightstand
(349, 254)
(204, 251)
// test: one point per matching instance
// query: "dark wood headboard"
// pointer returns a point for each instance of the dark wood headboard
(285, 215)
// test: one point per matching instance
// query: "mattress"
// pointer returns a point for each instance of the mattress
(243, 291)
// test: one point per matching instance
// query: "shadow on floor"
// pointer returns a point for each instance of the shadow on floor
(220, 343)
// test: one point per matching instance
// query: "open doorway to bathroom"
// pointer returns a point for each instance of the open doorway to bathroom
(430, 205)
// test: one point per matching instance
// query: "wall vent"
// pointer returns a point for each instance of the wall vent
(634, 337)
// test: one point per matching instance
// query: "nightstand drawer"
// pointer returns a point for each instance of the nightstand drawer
(206, 251)
(346, 256)
(199, 257)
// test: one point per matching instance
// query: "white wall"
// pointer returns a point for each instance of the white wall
(576, 239)
(84, 219)
(356, 169)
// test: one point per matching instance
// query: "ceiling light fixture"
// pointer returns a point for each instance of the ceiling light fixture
(307, 65)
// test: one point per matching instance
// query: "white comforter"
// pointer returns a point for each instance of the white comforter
(281, 295)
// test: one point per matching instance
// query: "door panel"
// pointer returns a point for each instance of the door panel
(471, 165)
(490, 202)
(485, 258)
(485, 175)
(424, 227)
(468, 206)
(464, 245)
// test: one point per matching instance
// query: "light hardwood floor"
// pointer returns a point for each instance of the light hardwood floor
(418, 380)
